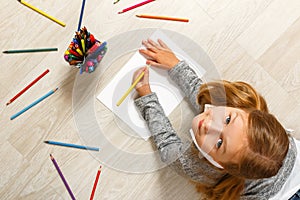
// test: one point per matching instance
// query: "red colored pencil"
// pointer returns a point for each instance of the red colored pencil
(135, 6)
(27, 87)
(95, 183)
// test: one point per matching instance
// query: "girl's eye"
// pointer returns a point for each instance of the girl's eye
(227, 120)
(219, 143)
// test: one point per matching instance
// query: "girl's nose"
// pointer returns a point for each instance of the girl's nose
(213, 127)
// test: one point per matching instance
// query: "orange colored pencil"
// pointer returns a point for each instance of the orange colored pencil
(163, 18)
(95, 183)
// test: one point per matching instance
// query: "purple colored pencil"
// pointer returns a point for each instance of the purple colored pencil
(62, 177)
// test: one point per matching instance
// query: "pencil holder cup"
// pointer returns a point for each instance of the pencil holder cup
(85, 52)
(93, 57)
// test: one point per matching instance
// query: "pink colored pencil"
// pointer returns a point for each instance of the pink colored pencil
(135, 6)
(27, 87)
(95, 183)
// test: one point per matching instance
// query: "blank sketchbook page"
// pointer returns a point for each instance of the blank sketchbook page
(168, 93)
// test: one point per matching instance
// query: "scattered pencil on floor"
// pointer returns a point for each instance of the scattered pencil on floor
(29, 50)
(95, 183)
(62, 177)
(27, 87)
(33, 104)
(135, 6)
(42, 13)
(163, 18)
(71, 145)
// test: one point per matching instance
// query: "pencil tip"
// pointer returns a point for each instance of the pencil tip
(120, 12)
(7, 103)
(4, 51)
(46, 142)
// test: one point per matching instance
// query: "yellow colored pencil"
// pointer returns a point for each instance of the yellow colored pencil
(130, 88)
(42, 13)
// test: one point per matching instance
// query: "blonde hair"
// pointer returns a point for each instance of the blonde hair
(267, 140)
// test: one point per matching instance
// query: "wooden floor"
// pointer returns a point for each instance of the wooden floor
(257, 41)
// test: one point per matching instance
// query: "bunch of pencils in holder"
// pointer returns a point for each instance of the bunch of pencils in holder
(85, 52)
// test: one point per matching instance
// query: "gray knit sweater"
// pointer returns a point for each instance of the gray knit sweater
(178, 154)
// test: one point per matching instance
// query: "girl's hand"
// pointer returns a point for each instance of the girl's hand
(142, 87)
(158, 54)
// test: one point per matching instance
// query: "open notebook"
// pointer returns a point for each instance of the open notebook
(167, 91)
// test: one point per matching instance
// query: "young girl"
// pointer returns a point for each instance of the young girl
(239, 150)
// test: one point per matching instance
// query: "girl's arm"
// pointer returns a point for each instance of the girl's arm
(161, 56)
(187, 80)
(171, 148)
(173, 151)
(165, 138)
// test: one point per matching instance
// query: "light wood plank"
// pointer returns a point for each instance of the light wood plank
(246, 40)
(269, 26)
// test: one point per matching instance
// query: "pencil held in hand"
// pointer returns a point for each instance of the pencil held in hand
(131, 87)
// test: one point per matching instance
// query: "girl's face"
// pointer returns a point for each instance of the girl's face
(221, 132)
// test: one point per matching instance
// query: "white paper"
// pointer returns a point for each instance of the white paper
(167, 91)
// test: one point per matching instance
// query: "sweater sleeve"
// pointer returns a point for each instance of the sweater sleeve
(187, 80)
(173, 151)
(168, 143)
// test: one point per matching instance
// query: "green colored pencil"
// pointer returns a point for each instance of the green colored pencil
(30, 50)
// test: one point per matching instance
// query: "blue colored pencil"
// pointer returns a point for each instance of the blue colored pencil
(72, 145)
(33, 104)
(81, 15)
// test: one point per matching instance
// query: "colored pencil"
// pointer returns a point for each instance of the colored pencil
(130, 88)
(135, 6)
(30, 50)
(71, 145)
(95, 183)
(62, 177)
(33, 104)
(81, 15)
(27, 87)
(163, 18)
(42, 13)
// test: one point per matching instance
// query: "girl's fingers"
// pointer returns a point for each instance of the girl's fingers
(146, 75)
(155, 64)
(147, 54)
(161, 43)
(154, 44)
